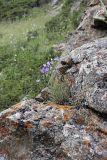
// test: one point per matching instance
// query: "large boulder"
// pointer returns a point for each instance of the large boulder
(88, 74)
(32, 131)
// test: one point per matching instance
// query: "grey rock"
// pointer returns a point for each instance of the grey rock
(35, 131)
(91, 74)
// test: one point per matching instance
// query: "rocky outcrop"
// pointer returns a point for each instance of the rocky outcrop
(87, 73)
(34, 131)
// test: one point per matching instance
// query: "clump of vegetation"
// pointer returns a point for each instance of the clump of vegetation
(60, 91)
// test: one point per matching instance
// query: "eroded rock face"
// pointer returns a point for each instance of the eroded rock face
(86, 32)
(34, 131)
(89, 74)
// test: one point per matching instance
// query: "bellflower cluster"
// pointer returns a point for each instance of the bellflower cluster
(46, 67)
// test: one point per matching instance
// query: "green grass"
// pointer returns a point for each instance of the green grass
(21, 57)
(18, 30)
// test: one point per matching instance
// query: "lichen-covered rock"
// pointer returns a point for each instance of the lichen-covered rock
(86, 32)
(89, 74)
(37, 131)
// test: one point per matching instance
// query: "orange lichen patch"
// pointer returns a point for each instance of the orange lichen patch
(60, 107)
(66, 111)
(3, 131)
(28, 125)
(67, 117)
(35, 106)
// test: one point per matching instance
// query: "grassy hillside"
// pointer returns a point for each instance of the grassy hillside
(25, 45)
(23, 49)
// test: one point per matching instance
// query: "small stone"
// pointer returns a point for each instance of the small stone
(44, 95)
(39, 98)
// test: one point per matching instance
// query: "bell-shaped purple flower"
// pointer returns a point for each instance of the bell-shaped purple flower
(44, 70)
